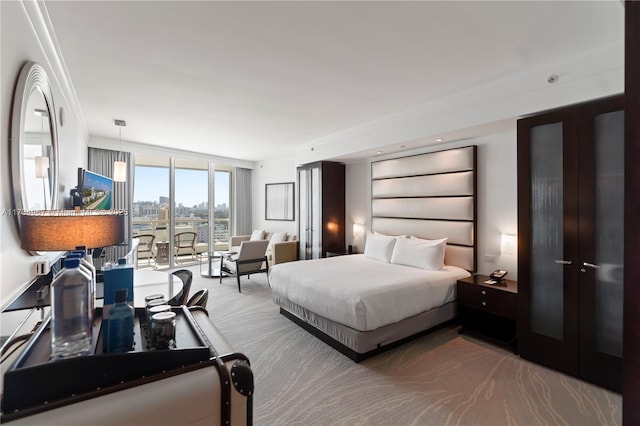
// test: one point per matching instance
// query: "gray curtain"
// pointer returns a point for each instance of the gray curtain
(242, 223)
(101, 161)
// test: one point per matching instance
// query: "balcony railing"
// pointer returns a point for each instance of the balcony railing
(160, 228)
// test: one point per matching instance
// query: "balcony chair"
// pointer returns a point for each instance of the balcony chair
(250, 259)
(199, 298)
(145, 245)
(187, 241)
(181, 298)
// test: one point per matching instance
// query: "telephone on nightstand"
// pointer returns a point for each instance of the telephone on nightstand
(497, 276)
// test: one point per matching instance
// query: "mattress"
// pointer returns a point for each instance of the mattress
(363, 293)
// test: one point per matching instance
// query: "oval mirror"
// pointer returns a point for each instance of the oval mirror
(34, 143)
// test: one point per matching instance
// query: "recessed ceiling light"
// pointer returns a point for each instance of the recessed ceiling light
(378, 152)
(439, 140)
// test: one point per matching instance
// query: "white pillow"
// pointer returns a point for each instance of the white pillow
(276, 237)
(379, 247)
(425, 254)
(257, 234)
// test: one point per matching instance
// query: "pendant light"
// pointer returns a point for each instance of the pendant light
(42, 161)
(120, 167)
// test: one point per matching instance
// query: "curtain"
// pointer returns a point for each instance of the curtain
(101, 161)
(242, 222)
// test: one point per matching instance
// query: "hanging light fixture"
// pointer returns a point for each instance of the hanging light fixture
(120, 167)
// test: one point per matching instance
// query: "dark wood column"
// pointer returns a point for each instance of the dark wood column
(631, 362)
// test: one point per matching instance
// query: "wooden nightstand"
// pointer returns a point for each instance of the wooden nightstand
(488, 309)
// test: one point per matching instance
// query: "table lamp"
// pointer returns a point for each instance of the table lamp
(60, 230)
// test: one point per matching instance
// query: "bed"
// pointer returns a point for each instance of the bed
(421, 241)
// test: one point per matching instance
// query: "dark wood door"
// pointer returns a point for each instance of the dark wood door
(630, 395)
(570, 225)
(601, 242)
(548, 316)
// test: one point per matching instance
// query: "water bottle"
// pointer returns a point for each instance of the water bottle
(84, 263)
(116, 277)
(71, 325)
(120, 326)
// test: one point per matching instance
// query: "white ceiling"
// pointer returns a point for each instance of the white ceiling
(252, 80)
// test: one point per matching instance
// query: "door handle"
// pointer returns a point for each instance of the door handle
(591, 265)
(563, 262)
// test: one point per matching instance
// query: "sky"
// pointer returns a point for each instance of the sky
(191, 186)
(98, 182)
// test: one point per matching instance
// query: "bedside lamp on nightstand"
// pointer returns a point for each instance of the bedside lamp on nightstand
(509, 244)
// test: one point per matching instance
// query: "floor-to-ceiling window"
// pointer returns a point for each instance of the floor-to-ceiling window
(222, 207)
(191, 210)
(186, 224)
(151, 209)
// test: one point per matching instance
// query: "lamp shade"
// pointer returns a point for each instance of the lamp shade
(119, 171)
(509, 244)
(42, 167)
(59, 230)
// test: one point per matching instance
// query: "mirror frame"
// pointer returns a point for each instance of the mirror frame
(32, 77)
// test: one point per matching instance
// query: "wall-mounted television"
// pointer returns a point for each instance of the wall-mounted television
(96, 191)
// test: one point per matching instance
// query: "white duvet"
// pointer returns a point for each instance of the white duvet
(363, 293)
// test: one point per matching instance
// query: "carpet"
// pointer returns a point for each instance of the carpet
(442, 378)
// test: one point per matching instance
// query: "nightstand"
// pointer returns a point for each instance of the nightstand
(490, 310)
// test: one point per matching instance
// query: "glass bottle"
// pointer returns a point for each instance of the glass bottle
(120, 326)
(80, 254)
(71, 324)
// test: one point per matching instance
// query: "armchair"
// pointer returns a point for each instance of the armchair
(250, 259)
(185, 241)
(278, 252)
(145, 245)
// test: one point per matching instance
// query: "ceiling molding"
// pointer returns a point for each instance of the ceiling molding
(44, 33)
(108, 143)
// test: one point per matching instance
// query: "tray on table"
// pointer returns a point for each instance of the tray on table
(33, 380)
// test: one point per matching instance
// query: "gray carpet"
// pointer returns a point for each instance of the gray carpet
(439, 379)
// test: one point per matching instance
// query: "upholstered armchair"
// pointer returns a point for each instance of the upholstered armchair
(282, 247)
(249, 259)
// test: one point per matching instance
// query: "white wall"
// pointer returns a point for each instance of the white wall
(20, 44)
(272, 171)
(497, 196)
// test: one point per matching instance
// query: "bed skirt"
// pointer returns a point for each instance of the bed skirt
(359, 345)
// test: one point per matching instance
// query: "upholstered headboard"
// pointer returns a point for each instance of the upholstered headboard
(430, 196)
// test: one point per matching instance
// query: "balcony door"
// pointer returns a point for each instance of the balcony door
(184, 198)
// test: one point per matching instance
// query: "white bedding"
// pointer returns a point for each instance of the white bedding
(363, 293)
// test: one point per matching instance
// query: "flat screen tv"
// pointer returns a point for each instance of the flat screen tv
(96, 191)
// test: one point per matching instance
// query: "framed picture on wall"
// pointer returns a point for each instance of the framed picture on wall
(279, 201)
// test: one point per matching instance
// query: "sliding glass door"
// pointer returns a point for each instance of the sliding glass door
(191, 210)
(151, 210)
(222, 207)
(171, 207)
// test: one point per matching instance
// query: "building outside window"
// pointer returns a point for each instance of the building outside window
(152, 203)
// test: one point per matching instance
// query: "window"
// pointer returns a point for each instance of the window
(152, 203)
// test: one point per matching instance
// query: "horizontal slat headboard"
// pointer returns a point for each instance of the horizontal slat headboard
(430, 196)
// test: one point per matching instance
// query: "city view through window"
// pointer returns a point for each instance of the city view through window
(151, 204)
